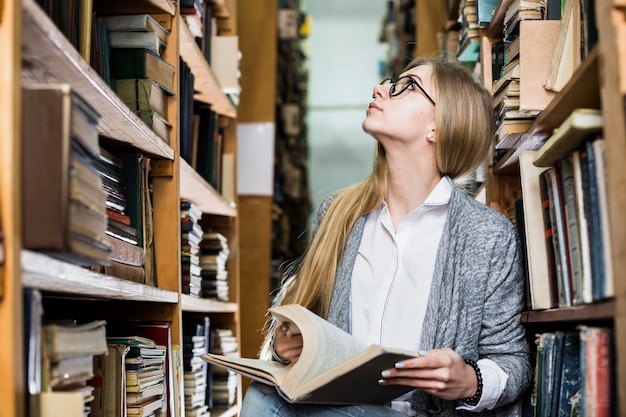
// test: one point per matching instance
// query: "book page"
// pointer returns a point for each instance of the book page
(325, 345)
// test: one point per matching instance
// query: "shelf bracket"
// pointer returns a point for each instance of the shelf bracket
(162, 168)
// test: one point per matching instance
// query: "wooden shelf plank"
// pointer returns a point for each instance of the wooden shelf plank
(204, 305)
(197, 190)
(136, 6)
(45, 273)
(48, 57)
(208, 89)
(604, 310)
(582, 91)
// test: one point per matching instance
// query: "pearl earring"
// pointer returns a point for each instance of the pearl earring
(430, 135)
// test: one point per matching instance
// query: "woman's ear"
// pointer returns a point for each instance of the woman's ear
(431, 136)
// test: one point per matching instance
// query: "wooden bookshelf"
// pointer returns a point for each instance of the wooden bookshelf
(50, 58)
(37, 52)
(207, 88)
(197, 190)
(581, 91)
(599, 83)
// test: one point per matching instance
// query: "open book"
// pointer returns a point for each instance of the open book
(334, 367)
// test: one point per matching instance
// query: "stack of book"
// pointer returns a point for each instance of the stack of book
(197, 372)
(191, 238)
(140, 76)
(64, 203)
(224, 392)
(143, 374)
(469, 36)
(574, 373)
(127, 256)
(68, 356)
(214, 253)
(515, 118)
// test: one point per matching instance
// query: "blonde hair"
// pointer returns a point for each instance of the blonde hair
(464, 130)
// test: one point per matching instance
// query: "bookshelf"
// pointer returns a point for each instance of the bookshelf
(36, 52)
(597, 83)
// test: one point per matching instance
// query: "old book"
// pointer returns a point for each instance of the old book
(145, 40)
(157, 123)
(334, 367)
(136, 23)
(110, 372)
(569, 135)
(542, 288)
(124, 271)
(124, 252)
(585, 293)
(60, 145)
(537, 45)
(607, 287)
(567, 52)
(65, 340)
(143, 94)
(141, 63)
(597, 368)
(557, 213)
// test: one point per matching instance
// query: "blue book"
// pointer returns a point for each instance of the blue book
(485, 10)
(569, 396)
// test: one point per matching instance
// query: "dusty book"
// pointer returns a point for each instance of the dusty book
(334, 367)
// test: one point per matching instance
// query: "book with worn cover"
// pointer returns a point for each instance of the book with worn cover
(136, 23)
(141, 63)
(334, 367)
(143, 94)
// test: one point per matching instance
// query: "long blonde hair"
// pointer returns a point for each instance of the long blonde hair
(464, 129)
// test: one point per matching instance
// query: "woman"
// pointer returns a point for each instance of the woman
(407, 259)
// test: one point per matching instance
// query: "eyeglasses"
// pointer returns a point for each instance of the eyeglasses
(403, 83)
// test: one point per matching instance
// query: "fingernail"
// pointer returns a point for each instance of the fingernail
(423, 353)
(385, 373)
(382, 382)
(399, 365)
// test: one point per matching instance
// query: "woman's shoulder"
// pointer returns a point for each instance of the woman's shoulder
(471, 213)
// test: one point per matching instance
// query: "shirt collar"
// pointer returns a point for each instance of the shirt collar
(439, 196)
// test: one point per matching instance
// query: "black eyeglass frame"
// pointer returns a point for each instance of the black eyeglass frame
(394, 93)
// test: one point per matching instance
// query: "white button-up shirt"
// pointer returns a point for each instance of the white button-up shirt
(391, 282)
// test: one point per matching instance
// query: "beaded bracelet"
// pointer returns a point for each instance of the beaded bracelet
(474, 399)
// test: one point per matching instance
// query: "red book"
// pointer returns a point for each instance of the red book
(117, 216)
(597, 368)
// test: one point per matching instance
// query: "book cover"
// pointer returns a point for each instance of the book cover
(607, 286)
(135, 23)
(64, 134)
(143, 94)
(560, 234)
(144, 40)
(573, 229)
(543, 290)
(141, 63)
(586, 291)
(597, 368)
(334, 367)
(569, 135)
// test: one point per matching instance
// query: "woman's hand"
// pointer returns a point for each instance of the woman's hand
(287, 343)
(439, 372)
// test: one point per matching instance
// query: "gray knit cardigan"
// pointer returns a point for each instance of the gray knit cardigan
(475, 300)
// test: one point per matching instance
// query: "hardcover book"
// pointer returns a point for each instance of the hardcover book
(141, 63)
(64, 214)
(334, 367)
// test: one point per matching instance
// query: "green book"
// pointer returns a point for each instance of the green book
(141, 63)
